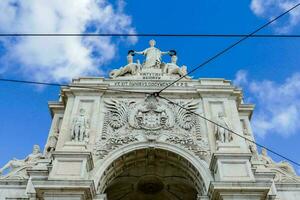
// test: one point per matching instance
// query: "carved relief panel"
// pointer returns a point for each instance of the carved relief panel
(220, 130)
(151, 119)
(83, 122)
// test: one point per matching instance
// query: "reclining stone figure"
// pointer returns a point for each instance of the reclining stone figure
(131, 68)
(18, 167)
(173, 68)
(282, 166)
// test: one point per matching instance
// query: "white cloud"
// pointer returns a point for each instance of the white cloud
(240, 77)
(60, 58)
(271, 8)
(278, 105)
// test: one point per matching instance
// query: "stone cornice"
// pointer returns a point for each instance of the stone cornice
(246, 109)
(56, 107)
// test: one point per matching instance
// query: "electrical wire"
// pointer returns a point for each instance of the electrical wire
(72, 86)
(159, 96)
(235, 133)
(145, 35)
(231, 46)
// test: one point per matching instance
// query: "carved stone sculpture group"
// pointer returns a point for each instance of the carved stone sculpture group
(152, 119)
(149, 120)
(153, 60)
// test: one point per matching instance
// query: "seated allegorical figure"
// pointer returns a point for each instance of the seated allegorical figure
(18, 167)
(268, 162)
(131, 68)
(173, 68)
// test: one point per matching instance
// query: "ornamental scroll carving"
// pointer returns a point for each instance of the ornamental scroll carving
(152, 119)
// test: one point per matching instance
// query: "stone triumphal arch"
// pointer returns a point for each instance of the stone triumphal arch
(112, 138)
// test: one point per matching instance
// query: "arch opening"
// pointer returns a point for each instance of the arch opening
(151, 173)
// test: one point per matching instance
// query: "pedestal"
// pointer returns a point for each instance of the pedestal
(231, 167)
(239, 190)
(73, 162)
(64, 189)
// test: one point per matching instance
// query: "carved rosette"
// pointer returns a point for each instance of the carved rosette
(151, 120)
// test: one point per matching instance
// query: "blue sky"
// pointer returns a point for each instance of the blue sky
(267, 69)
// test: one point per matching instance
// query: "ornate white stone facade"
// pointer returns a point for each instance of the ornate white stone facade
(110, 144)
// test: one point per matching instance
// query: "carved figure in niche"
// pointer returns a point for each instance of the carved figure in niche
(80, 127)
(173, 68)
(131, 68)
(153, 55)
(223, 135)
(283, 165)
(51, 145)
(17, 167)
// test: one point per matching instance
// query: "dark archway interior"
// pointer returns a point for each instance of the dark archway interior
(151, 174)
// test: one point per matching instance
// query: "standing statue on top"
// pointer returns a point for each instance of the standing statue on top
(153, 55)
(153, 60)
(223, 135)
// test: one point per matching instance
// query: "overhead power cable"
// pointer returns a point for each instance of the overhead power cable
(72, 86)
(231, 46)
(145, 35)
(170, 101)
(235, 133)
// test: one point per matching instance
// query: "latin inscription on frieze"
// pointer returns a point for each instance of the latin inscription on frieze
(148, 84)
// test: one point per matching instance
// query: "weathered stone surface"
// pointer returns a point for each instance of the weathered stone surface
(107, 144)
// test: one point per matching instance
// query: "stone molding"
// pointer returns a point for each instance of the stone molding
(61, 189)
(239, 190)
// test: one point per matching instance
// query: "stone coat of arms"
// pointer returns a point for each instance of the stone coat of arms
(151, 115)
(128, 121)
